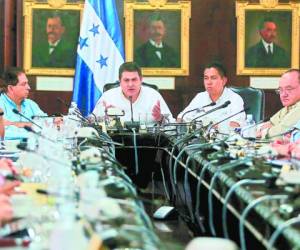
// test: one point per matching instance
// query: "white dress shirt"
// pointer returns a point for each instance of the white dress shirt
(203, 98)
(142, 107)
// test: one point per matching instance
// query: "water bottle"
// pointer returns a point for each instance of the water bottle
(249, 131)
(72, 109)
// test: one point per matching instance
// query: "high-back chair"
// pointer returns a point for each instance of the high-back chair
(254, 100)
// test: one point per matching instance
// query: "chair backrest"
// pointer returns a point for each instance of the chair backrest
(254, 100)
(108, 86)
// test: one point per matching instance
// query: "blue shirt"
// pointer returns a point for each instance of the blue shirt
(28, 108)
(296, 134)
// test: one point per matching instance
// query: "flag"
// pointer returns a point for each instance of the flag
(99, 53)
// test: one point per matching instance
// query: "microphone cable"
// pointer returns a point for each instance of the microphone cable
(228, 196)
(279, 230)
(219, 170)
(246, 211)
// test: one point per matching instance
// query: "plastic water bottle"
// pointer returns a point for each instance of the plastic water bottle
(249, 131)
(72, 109)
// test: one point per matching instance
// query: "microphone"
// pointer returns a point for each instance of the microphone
(242, 130)
(80, 116)
(29, 129)
(132, 124)
(27, 118)
(46, 116)
(224, 105)
(131, 108)
(198, 109)
(227, 118)
(281, 134)
(62, 101)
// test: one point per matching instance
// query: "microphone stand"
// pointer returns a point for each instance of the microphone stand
(27, 118)
(131, 124)
(228, 117)
(224, 105)
(198, 109)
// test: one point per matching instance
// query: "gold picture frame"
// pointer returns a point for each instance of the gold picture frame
(250, 58)
(176, 17)
(36, 60)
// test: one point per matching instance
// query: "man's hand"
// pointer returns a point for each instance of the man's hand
(8, 188)
(156, 112)
(6, 211)
(282, 147)
(7, 164)
(262, 130)
(107, 106)
(17, 124)
(234, 124)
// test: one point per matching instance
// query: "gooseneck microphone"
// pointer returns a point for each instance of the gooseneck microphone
(62, 101)
(224, 105)
(27, 118)
(79, 115)
(198, 109)
(227, 118)
(131, 108)
(131, 124)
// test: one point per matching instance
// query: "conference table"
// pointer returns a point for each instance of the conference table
(219, 187)
(199, 174)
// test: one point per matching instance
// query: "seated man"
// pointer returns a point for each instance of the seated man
(289, 115)
(214, 82)
(144, 99)
(15, 91)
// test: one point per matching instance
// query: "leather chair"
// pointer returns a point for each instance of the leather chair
(108, 86)
(254, 100)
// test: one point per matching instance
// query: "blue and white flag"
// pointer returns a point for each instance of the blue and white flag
(99, 54)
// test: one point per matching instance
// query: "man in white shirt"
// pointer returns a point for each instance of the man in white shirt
(214, 82)
(147, 103)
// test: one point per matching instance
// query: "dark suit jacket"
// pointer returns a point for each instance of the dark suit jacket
(63, 55)
(257, 56)
(146, 56)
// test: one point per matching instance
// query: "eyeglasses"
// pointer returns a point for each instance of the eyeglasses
(288, 90)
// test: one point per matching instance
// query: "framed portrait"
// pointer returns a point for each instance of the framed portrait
(51, 31)
(267, 37)
(157, 36)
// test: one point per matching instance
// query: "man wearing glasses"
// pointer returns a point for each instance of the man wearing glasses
(289, 115)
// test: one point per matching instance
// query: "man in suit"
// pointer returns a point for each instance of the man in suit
(56, 51)
(155, 52)
(266, 53)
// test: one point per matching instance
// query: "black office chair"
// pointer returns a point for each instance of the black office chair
(254, 99)
(108, 86)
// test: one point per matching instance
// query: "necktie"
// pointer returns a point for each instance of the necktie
(51, 48)
(269, 50)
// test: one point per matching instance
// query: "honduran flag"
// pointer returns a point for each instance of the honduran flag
(99, 54)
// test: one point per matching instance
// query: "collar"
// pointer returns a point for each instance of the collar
(125, 98)
(221, 97)
(296, 105)
(11, 101)
(155, 44)
(265, 44)
(54, 44)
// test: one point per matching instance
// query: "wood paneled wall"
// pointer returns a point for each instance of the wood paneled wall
(212, 37)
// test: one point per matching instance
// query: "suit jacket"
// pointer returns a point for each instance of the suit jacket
(146, 56)
(63, 55)
(257, 56)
